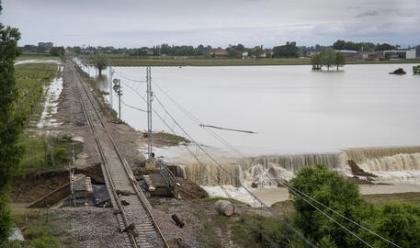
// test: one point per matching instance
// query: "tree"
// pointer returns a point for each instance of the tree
(398, 222)
(385, 46)
(289, 50)
(100, 62)
(332, 190)
(328, 57)
(57, 51)
(340, 59)
(10, 122)
(316, 62)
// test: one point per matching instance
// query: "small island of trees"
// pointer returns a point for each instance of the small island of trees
(328, 57)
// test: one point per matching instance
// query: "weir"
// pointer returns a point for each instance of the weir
(254, 171)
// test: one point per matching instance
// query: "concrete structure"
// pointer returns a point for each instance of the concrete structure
(400, 54)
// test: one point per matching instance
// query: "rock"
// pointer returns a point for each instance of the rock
(399, 71)
(225, 207)
(125, 203)
(181, 243)
(178, 221)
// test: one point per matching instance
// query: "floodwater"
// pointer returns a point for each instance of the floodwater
(291, 109)
(322, 117)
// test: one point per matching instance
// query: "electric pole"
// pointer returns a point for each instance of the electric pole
(111, 74)
(149, 112)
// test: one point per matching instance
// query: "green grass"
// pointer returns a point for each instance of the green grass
(38, 228)
(121, 60)
(242, 229)
(30, 80)
(43, 153)
(412, 198)
(38, 56)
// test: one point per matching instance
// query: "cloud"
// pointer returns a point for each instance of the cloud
(367, 14)
(218, 22)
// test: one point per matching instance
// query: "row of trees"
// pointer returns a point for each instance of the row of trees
(11, 122)
(328, 58)
(396, 222)
(365, 46)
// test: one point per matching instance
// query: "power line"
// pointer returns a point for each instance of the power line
(284, 183)
(238, 179)
(129, 78)
(300, 235)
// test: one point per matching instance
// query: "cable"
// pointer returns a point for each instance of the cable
(285, 184)
(129, 79)
(133, 107)
(300, 235)
(173, 131)
(240, 183)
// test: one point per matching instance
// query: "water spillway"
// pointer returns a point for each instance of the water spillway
(394, 163)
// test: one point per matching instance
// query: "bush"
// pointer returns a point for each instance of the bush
(45, 242)
(5, 220)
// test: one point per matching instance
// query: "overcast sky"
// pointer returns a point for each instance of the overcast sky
(135, 23)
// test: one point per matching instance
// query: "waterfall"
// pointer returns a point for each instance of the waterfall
(360, 155)
(254, 171)
(393, 162)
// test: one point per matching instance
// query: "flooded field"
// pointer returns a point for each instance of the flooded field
(291, 109)
(300, 118)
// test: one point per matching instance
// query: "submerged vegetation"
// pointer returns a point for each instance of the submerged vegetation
(328, 58)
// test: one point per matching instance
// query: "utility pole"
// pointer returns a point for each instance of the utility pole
(111, 74)
(149, 112)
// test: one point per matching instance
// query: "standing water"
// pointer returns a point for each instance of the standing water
(291, 109)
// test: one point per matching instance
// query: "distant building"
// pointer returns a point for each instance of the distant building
(245, 55)
(400, 54)
(418, 52)
(218, 52)
(351, 54)
(371, 56)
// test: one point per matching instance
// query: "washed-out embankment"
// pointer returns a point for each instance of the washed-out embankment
(375, 164)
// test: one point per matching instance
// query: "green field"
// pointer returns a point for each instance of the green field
(120, 60)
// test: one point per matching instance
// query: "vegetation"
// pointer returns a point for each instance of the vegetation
(398, 222)
(11, 121)
(39, 229)
(365, 46)
(328, 58)
(30, 80)
(57, 51)
(100, 62)
(289, 50)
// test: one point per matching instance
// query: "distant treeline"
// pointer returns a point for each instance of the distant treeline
(288, 50)
(365, 46)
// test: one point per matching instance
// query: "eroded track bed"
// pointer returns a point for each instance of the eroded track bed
(131, 206)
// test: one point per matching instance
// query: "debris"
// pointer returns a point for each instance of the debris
(124, 192)
(181, 243)
(225, 207)
(131, 229)
(125, 203)
(178, 221)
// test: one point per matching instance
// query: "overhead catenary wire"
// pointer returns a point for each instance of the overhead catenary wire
(238, 179)
(173, 131)
(290, 227)
(293, 189)
(129, 78)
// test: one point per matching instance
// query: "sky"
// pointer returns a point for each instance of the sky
(137, 23)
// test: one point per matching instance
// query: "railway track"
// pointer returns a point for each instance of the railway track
(131, 205)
